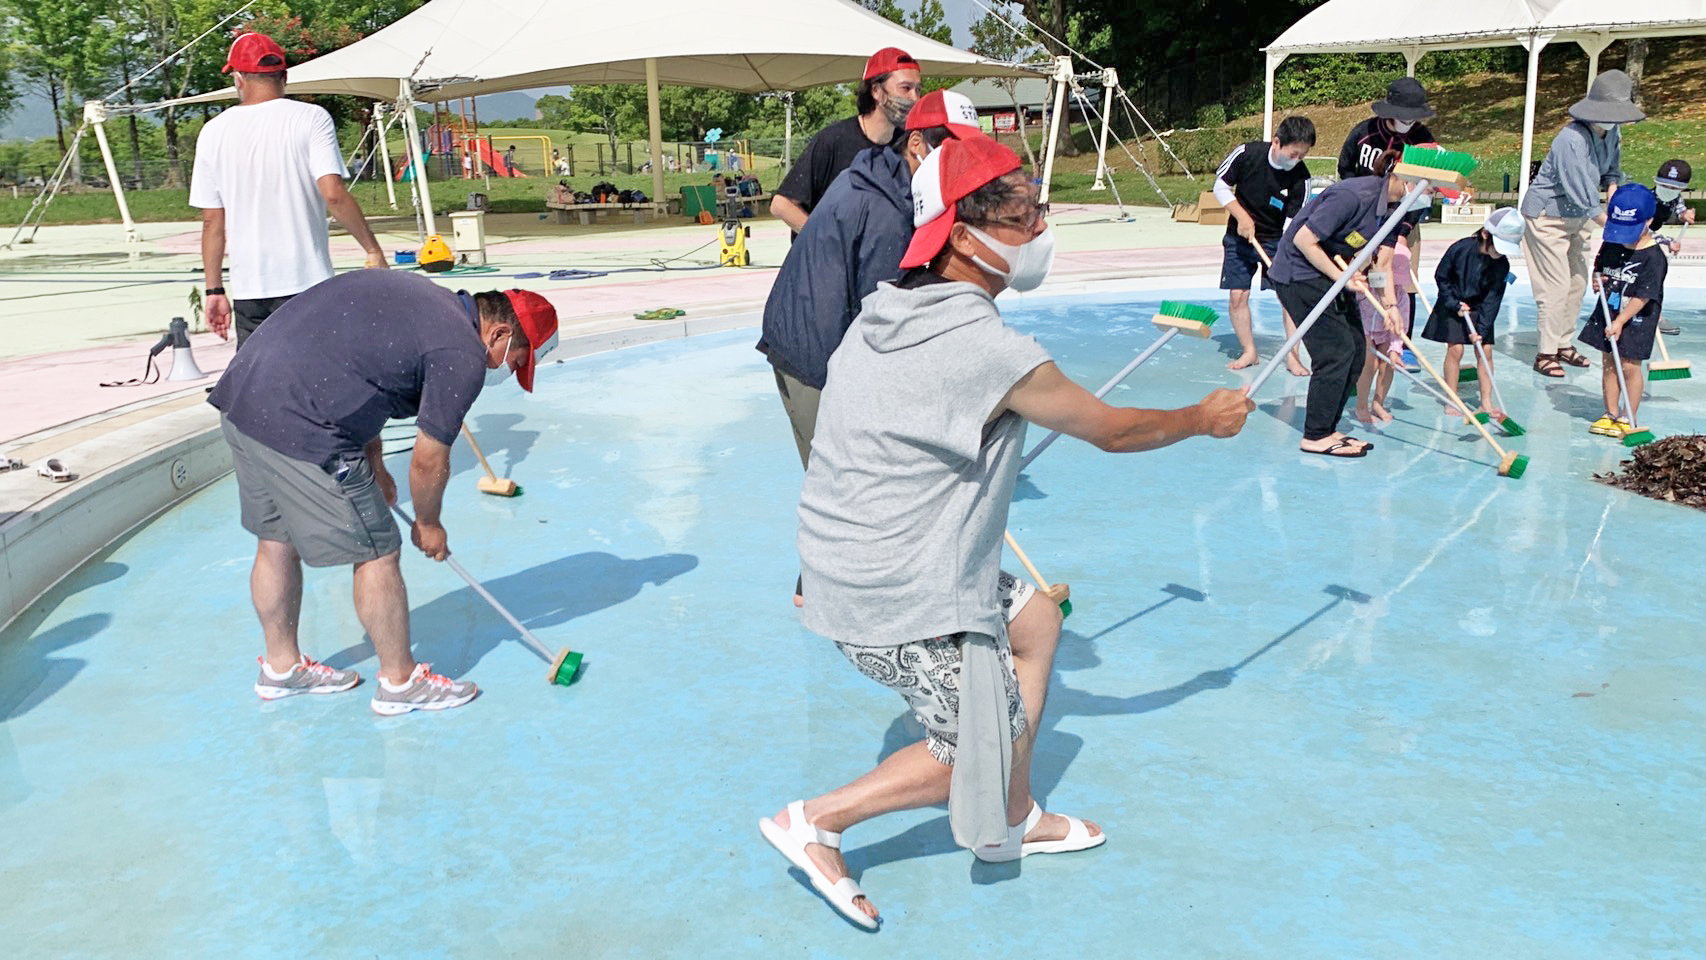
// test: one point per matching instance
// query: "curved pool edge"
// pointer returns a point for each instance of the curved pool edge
(138, 461)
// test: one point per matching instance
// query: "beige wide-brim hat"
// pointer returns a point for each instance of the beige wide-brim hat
(1611, 99)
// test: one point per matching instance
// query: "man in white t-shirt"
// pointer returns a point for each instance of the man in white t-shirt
(267, 172)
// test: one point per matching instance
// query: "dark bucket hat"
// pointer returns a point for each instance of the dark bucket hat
(1405, 100)
(1611, 99)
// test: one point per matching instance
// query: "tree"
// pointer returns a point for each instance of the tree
(996, 40)
(1635, 64)
(617, 110)
(59, 49)
(687, 112)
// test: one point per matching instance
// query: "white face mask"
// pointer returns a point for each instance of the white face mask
(1280, 161)
(1668, 194)
(1603, 127)
(1403, 126)
(1027, 265)
(497, 376)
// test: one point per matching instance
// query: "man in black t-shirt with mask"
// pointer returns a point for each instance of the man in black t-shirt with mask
(1262, 185)
(889, 89)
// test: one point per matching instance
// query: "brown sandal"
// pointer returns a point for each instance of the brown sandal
(1547, 365)
(1572, 357)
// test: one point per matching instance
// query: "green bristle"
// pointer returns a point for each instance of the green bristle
(1468, 375)
(1672, 373)
(1511, 427)
(1440, 159)
(1189, 311)
(1483, 417)
(1635, 438)
(1518, 465)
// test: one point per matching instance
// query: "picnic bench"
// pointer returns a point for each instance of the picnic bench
(586, 211)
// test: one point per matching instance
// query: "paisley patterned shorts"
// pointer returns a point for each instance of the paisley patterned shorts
(926, 673)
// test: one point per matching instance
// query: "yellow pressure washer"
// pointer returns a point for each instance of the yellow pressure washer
(733, 251)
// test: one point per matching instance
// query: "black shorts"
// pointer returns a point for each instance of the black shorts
(1636, 343)
(1239, 262)
(248, 314)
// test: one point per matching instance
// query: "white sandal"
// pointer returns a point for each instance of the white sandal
(791, 842)
(1077, 838)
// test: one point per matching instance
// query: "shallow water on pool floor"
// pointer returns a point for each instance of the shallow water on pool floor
(1392, 707)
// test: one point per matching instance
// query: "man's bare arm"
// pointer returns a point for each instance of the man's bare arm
(347, 211)
(1048, 399)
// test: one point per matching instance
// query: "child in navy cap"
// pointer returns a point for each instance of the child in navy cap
(1668, 185)
(1630, 270)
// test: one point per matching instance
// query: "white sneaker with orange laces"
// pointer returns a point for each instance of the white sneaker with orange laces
(424, 691)
(307, 676)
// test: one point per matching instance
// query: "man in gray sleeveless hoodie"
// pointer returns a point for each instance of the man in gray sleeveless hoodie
(912, 470)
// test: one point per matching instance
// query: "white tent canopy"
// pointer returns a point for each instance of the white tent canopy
(457, 48)
(1378, 26)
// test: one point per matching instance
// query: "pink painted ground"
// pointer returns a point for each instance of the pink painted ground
(41, 391)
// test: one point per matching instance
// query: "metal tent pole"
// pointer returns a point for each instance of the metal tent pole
(1062, 77)
(95, 114)
(1110, 80)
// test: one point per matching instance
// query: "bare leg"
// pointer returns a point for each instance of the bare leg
(1238, 307)
(1382, 387)
(275, 586)
(1034, 635)
(1487, 398)
(1453, 363)
(1613, 390)
(1365, 382)
(1632, 371)
(1293, 363)
(382, 605)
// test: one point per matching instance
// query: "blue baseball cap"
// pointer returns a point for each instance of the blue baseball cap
(1632, 208)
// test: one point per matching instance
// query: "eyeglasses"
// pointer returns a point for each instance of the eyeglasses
(1026, 222)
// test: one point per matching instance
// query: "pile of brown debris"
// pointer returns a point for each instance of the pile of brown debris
(1671, 469)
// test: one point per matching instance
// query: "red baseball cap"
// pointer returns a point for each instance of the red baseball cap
(254, 53)
(952, 171)
(888, 60)
(539, 322)
(945, 108)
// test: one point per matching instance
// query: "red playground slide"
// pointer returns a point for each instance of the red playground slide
(484, 152)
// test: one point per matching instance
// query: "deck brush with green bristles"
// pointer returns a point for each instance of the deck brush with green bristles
(1191, 318)
(1437, 165)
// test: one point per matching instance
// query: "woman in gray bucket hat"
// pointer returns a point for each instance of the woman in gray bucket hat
(1563, 204)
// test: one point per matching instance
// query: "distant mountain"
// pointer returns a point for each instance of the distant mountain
(495, 106)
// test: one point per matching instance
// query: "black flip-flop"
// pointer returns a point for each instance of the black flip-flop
(1338, 445)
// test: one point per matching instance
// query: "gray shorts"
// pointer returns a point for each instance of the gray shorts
(330, 517)
(926, 673)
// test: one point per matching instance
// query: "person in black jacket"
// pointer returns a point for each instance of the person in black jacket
(1471, 279)
(853, 241)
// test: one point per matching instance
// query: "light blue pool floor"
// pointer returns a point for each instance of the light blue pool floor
(1396, 707)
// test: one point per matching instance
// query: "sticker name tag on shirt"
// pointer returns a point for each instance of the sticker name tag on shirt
(1276, 203)
(1356, 239)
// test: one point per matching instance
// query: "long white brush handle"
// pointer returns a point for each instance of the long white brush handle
(526, 635)
(1357, 263)
(1106, 388)
(1427, 387)
(1616, 357)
